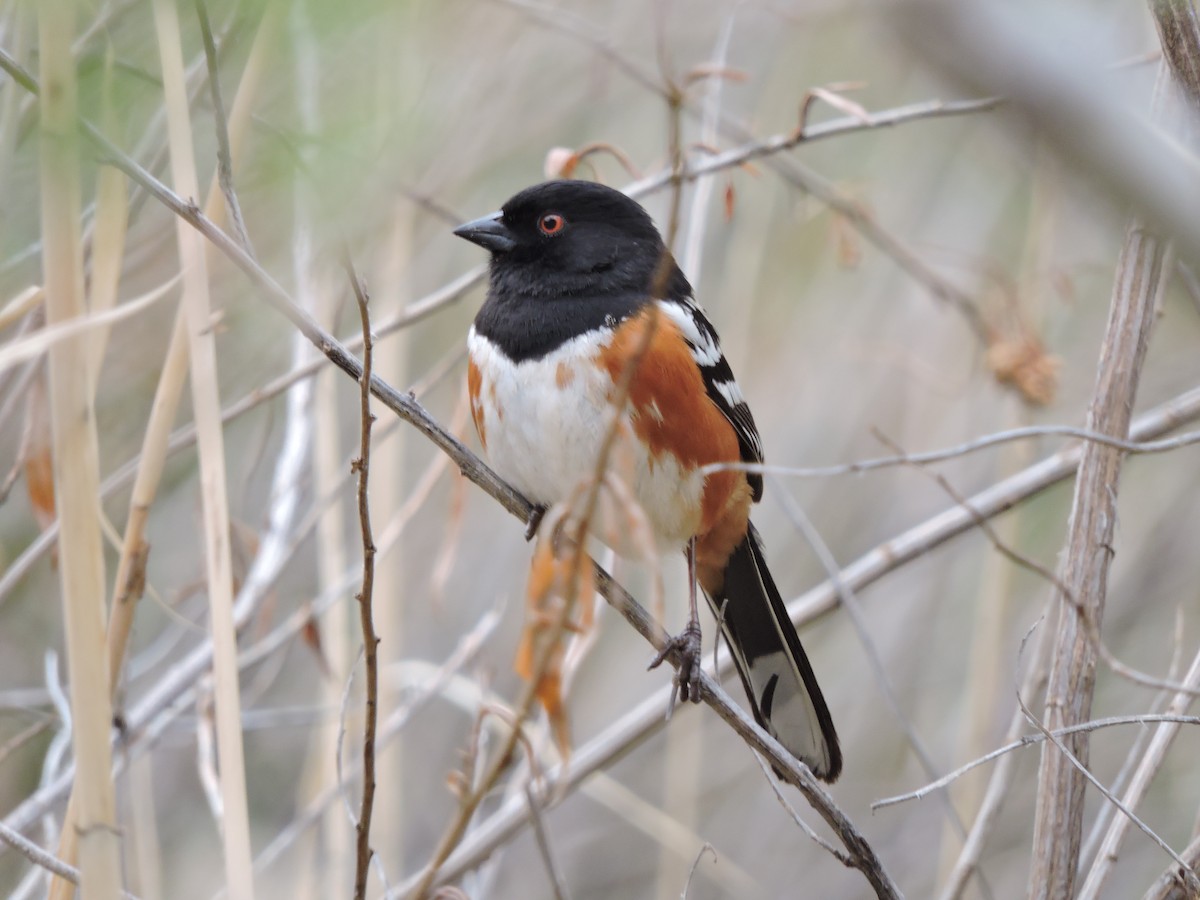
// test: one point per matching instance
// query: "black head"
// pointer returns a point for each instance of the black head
(574, 238)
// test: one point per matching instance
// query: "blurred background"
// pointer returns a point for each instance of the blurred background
(929, 283)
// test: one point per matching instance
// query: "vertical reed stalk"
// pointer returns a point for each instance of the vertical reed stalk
(211, 445)
(76, 458)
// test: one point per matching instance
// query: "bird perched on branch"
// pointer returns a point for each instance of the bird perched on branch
(579, 273)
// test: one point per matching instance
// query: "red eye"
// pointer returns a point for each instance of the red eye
(551, 224)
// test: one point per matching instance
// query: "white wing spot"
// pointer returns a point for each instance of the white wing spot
(704, 348)
(730, 391)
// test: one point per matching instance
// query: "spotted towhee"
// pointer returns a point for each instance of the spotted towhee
(578, 272)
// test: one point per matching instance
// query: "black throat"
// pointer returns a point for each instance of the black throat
(528, 317)
(524, 327)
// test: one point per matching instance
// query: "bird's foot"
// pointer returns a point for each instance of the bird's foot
(687, 677)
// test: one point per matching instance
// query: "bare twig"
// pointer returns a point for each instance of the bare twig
(968, 862)
(557, 883)
(1135, 753)
(1093, 725)
(466, 650)
(959, 450)
(361, 466)
(1176, 883)
(795, 817)
(224, 155)
(1192, 881)
(850, 603)
(982, 523)
(1149, 765)
(40, 857)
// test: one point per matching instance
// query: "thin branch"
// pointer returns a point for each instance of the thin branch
(362, 466)
(224, 156)
(1149, 765)
(557, 883)
(1099, 824)
(982, 523)
(795, 817)
(1175, 882)
(705, 847)
(40, 857)
(849, 602)
(968, 862)
(1029, 740)
(1190, 877)
(960, 450)
(466, 650)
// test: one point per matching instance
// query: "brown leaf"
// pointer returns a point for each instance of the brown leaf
(311, 635)
(37, 459)
(729, 199)
(560, 589)
(711, 70)
(1024, 363)
(549, 694)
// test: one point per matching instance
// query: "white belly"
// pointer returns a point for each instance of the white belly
(544, 421)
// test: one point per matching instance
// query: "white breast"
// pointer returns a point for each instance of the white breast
(544, 422)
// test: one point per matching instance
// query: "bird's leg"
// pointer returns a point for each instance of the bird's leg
(687, 642)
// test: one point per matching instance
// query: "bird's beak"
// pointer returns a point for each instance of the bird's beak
(488, 232)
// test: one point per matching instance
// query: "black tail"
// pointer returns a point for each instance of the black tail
(777, 676)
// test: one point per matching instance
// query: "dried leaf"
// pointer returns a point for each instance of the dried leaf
(729, 200)
(586, 619)
(711, 70)
(549, 694)
(1024, 363)
(559, 590)
(311, 635)
(456, 783)
(541, 572)
(37, 459)
(560, 163)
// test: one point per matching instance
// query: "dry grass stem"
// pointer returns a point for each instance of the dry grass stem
(210, 443)
(76, 464)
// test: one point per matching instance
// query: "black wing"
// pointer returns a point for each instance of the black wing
(722, 387)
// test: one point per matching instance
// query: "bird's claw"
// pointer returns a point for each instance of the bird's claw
(687, 678)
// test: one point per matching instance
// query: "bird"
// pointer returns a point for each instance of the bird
(578, 273)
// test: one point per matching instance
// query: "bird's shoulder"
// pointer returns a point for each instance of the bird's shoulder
(719, 382)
